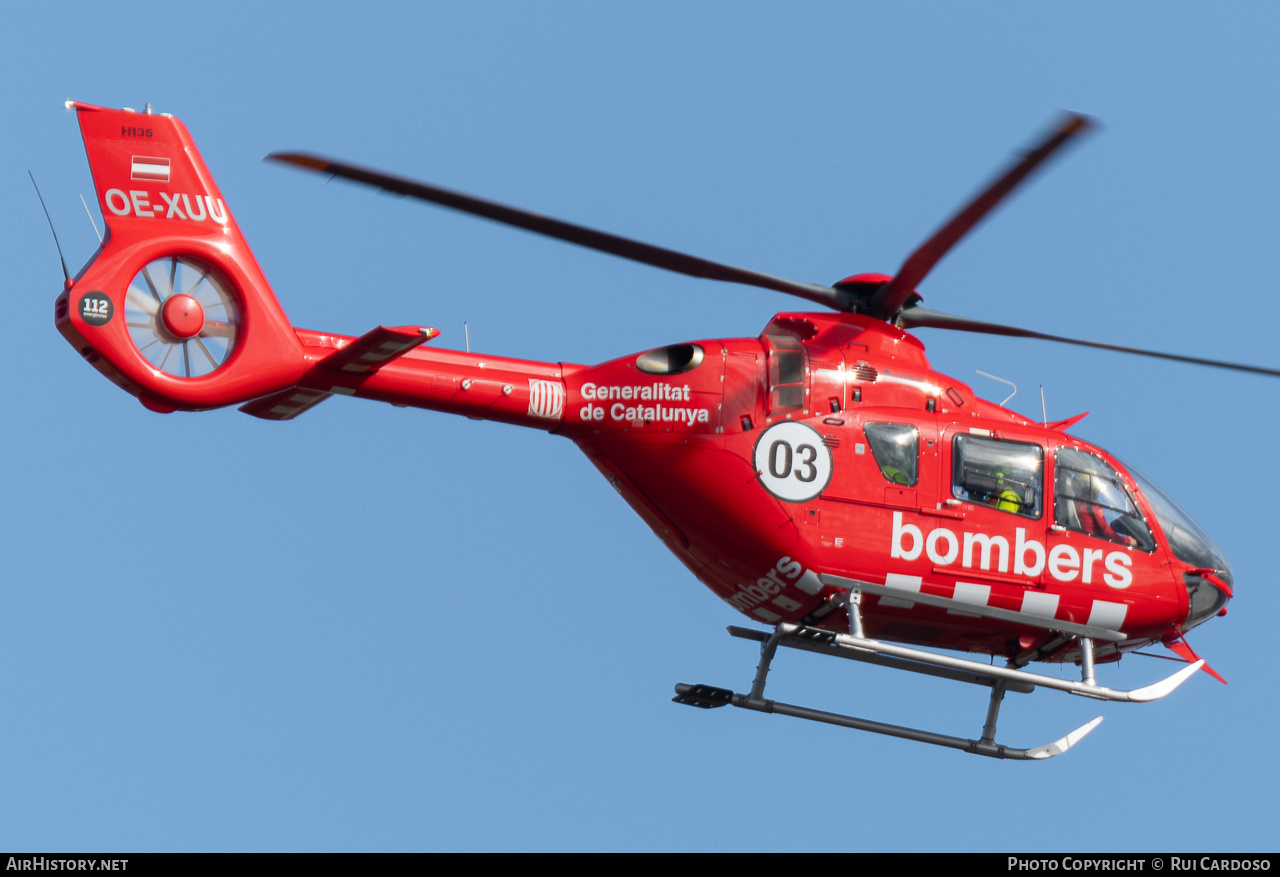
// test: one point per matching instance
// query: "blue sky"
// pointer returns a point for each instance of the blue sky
(384, 629)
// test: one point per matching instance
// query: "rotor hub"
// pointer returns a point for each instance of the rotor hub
(182, 316)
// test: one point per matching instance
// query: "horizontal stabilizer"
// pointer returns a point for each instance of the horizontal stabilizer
(363, 356)
(374, 349)
(285, 405)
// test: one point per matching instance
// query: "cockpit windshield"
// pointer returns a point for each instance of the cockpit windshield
(1187, 540)
(1191, 544)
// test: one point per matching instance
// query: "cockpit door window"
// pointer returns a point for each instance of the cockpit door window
(1008, 476)
(1090, 498)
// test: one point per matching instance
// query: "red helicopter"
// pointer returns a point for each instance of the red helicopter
(821, 479)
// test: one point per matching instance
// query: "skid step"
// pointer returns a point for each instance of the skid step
(704, 697)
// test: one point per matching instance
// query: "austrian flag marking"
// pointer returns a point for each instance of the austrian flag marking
(145, 167)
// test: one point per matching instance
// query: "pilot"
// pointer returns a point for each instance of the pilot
(896, 458)
(1074, 508)
(1085, 515)
(893, 474)
(1008, 501)
(1004, 497)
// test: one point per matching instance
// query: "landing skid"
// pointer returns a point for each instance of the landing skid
(860, 648)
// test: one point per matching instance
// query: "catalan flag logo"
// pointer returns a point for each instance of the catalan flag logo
(546, 399)
(145, 167)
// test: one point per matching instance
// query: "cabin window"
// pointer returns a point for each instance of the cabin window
(1090, 498)
(786, 374)
(1008, 476)
(896, 447)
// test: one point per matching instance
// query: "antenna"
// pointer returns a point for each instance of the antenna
(91, 222)
(66, 275)
(467, 333)
(1003, 381)
(1043, 413)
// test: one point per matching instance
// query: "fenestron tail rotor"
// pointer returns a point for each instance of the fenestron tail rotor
(893, 299)
(181, 317)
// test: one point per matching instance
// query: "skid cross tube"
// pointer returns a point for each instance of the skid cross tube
(852, 603)
(919, 656)
(822, 642)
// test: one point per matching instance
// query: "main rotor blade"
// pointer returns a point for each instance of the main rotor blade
(921, 318)
(890, 298)
(627, 248)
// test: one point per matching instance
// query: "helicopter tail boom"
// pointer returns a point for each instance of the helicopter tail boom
(389, 365)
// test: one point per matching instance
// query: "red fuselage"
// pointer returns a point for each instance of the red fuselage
(827, 446)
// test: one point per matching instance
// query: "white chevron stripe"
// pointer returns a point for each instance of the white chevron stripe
(898, 582)
(1039, 603)
(975, 595)
(1108, 615)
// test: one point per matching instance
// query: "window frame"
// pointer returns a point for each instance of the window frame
(880, 464)
(780, 348)
(1060, 501)
(968, 494)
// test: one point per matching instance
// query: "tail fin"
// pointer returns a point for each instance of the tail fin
(173, 307)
